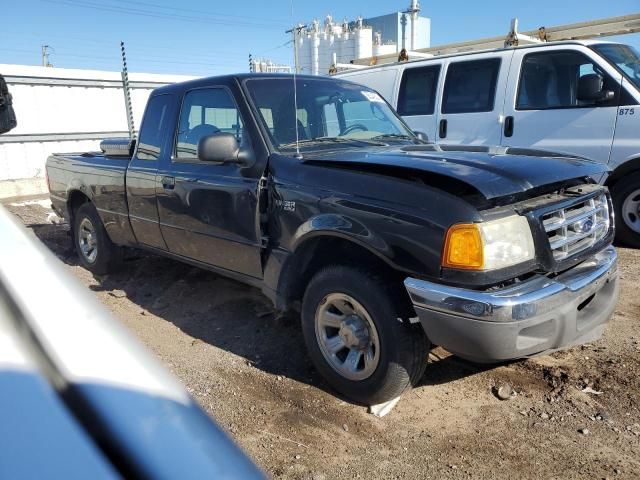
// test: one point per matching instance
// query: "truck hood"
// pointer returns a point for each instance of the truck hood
(493, 171)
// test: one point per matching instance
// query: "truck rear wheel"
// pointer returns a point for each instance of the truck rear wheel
(355, 338)
(626, 203)
(96, 251)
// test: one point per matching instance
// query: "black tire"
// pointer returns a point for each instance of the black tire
(403, 347)
(620, 191)
(108, 257)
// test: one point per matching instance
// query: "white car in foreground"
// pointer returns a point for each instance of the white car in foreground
(82, 399)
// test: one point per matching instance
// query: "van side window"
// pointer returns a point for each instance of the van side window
(471, 86)
(155, 118)
(550, 80)
(204, 112)
(418, 87)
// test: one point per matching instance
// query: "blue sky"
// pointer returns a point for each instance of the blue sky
(200, 37)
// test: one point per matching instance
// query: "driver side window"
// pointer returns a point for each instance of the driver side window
(551, 80)
(205, 112)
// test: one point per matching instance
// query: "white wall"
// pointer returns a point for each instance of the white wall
(67, 110)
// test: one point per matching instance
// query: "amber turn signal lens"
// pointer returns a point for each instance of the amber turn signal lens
(463, 247)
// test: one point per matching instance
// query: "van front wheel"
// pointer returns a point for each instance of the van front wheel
(626, 203)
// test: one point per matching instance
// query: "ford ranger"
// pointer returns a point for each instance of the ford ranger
(315, 191)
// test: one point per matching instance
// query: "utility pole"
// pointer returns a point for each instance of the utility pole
(296, 32)
(45, 56)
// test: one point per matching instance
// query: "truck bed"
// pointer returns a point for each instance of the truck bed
(101, 178)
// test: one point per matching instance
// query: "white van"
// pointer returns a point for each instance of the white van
(578, 97)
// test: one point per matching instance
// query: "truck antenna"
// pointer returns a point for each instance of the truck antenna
(295, 30)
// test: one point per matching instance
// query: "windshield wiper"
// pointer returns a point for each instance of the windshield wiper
(399, 136)
(342, 140)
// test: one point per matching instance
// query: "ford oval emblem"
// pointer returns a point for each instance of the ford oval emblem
(583, 226)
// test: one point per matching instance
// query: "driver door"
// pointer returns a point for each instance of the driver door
(208, 211)
(543, 110)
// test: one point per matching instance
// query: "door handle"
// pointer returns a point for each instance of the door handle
(443, 128)
(508, 126)
(168, 183)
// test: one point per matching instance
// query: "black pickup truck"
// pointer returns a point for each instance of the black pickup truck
(315, 191)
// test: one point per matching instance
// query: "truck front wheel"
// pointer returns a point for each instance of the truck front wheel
(353, 330)
(626, 203)
(96, 251)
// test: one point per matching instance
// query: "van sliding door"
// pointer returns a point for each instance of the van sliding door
(470, 110)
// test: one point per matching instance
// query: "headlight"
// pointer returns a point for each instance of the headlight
(488, 245)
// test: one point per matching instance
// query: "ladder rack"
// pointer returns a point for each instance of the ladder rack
(575, 31)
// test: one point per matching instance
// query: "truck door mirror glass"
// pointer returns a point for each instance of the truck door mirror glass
(219, 147)
(223, 147)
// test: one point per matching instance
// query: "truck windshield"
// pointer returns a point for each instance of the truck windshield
(624, 57)
(329, 114)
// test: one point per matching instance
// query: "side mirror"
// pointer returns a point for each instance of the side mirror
(591, 88)
(219, 147)
(423, 137)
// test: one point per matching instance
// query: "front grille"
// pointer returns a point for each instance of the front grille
(575, 228)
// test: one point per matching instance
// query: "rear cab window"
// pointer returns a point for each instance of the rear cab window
(470, 86)
(153, 127)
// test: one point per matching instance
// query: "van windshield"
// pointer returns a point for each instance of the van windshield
(624, 57)
(329, 114)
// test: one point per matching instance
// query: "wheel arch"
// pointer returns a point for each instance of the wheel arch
(630, 166)
(75, 199)
(625, 181)
(319, 249)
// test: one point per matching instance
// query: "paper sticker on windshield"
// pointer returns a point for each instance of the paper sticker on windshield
(372, 96)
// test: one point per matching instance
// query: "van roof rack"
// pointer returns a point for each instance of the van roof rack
(573, 31)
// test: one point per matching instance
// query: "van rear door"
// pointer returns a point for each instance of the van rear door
(470, 108)
(544, 108)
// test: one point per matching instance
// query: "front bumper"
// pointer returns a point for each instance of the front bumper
(536, 316)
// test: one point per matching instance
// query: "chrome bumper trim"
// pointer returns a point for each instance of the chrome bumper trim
(531, 298)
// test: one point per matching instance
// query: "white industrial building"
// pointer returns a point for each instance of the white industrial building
(319, 46)
(64, 110)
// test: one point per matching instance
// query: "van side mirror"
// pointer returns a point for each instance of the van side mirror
(591, 88)
(423, 137)
(223, 147)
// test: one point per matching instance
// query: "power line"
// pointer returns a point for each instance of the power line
(140, 59)
(169, 16)
(182, 9)
(140, 48)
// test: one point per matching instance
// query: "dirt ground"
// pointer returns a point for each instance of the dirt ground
(250, 372)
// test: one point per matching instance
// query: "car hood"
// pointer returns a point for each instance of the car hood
(493, 171)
